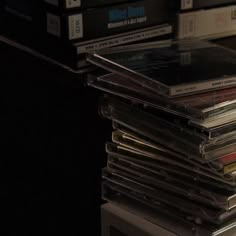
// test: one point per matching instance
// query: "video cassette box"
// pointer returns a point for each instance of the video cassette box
(184, 5)
(93, 23)
(81, 4)
(207, 24)
(70, 53)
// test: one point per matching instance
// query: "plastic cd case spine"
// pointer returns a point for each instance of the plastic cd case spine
(171, 183)
(182, 108)
(197, 212)
(221, 167)
(157, 164)
(178, 138)
(175, 222)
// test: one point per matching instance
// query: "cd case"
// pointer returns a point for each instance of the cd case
(161, 164)
(207, 110)
(171, 183)
(221, 166)
(164, 131)
(174, 221)
(157, 197)
(172, 69)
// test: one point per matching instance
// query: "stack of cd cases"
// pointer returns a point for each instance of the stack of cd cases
(173, 150)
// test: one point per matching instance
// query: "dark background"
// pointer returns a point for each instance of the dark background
(52, 149)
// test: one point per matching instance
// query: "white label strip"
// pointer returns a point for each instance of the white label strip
(75, 26)
(186, 4)
(128, 38)
(73, 3)
(207, 23)
(202, 86)
(53, 24)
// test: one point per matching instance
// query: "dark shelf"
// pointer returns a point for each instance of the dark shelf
(52, 148)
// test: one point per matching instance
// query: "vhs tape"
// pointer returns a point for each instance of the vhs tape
(81, 4)
(109, 20)
(198, 4)
(18, 32)
(207, 24)
(80, 25)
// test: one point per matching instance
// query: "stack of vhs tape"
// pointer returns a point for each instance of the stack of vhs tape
(65, 30)
(173, 149)
(204, 19)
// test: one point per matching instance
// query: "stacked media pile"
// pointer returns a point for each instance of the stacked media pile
(65, 30)
(173, 110)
